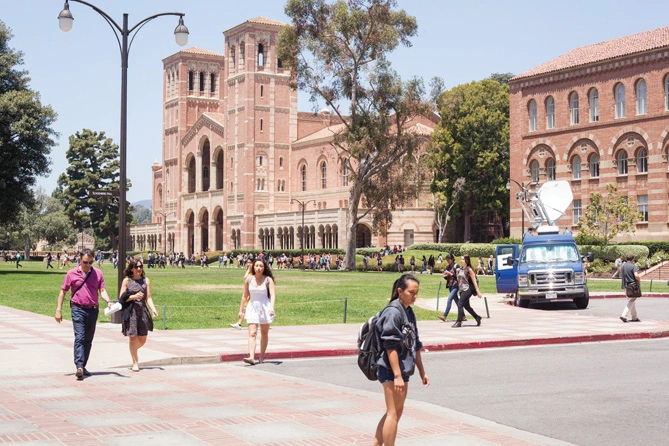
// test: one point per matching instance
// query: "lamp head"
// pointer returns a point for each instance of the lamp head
(181, 33)
(65, 18)
(508, 185)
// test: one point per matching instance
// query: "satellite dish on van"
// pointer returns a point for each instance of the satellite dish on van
(555, 197)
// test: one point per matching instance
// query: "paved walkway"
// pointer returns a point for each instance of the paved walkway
(42, 403)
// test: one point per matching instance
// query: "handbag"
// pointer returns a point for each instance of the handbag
(633, 289)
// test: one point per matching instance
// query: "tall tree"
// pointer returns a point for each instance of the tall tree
(337, 52)
(93, 165)
(26, 136)
(606, 217)
(472, 142)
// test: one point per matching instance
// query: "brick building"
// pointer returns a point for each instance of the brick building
(238, 158)
(598, 114)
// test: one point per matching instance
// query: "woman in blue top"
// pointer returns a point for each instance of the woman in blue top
(401, 355)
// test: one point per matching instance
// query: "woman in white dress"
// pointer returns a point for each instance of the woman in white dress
(260, 308)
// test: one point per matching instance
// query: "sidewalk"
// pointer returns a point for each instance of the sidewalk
(229, 403)
(32, 343)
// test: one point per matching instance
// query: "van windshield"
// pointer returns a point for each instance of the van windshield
(550, 253)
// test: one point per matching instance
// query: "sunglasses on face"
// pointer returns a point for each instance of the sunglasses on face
(138, 266)
(87, 263)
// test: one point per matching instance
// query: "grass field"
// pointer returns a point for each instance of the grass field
(200, 298)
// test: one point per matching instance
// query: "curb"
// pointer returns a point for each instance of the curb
(622, 296)
(237, 357)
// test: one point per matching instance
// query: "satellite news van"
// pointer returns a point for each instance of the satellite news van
(548, 267)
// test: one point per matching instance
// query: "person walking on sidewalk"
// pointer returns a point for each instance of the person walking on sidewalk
(467, 284)
(619, 264)
(259, 288)
(451, 277)
(88, 285)
(629, 273)
(400, 355)
(135, 297)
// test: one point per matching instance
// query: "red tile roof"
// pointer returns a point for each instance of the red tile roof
(196, 50)
(266, 21)
(623, 46)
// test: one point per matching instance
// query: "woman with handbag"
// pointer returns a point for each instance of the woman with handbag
(135, 297)
(631, 284)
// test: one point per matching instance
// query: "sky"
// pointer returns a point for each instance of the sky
(79, 73)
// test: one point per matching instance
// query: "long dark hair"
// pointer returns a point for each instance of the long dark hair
(266, 271)
(131, 265)
(468, 261)
(402, 283)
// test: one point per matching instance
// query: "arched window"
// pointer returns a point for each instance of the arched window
(550, 112)
(201, 80)
(532, 112)
(573, 108)
(212, 82)
(303, 176)
(666, 92)
(593, 102)
(534, 171)
(622, 162)
(262, 91)
(344, 176)
(641, 108)
(550, 169)
(242, 54)
(593, 165)
(261, 55)
(619, 94)
(280, 161)
(642, 161)
(576, 167)
(191, 80)
(324, 175)
(233, 60)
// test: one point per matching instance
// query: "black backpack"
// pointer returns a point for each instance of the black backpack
(369, 344)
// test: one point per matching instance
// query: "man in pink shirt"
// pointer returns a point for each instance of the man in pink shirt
(85, 282)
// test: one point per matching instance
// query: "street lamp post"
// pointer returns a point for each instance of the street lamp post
(164, 215)
(65, 20)
(522, 212)
(303, 204)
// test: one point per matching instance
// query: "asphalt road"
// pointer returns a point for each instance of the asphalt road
(609, 393)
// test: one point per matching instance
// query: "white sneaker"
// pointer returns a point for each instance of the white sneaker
(236, 325)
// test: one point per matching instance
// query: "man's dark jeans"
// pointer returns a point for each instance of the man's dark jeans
(83, 322)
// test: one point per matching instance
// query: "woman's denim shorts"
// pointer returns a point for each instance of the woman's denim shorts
(386, 375)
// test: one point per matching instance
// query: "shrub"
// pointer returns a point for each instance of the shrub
(507, 241)
(610, 253)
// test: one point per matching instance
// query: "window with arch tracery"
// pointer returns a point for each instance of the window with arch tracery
(344, 176)
(303, 176)
(593, 165)
(593, 100)
(573, 108)
(622, 162)
(532, 113)
(324, 175)
(619, 94)
(641, 108)
(261, 55)
(191, 80)
(534, 171)
(576, 167)
(201, 81)
(212, 83)
(550, 112)
(642, 161)
(550, 169)
(242, 53)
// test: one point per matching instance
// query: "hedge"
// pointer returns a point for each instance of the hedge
(610, 253)
(457, 249)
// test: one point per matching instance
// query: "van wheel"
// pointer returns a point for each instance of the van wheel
(582, 302)
(519, 302)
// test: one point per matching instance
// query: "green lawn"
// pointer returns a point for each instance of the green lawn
(197, 298)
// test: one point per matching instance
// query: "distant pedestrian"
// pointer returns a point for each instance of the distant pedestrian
(19, 257)
(87, 283)
(467, 285)
(400, 355)
(49, 259)
(135, 297)
(259, 290)
(379, 262)
(629, 273)
(430, 263)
